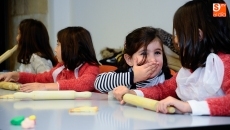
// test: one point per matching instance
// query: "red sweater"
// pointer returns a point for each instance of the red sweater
(218, 106)
(66, 79)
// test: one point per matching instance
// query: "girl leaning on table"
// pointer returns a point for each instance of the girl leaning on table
(142, 46)
(76, 70)
(202, 84)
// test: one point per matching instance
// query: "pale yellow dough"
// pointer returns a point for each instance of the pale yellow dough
(9, 85)
(84, 109)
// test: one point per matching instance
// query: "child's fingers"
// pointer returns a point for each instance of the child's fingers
(26, 90)
(161, 109)
(23, 86)
(119, 98)
(116, 95)
(122, 102)
(151, 69)
(162, 106)
(7, 79)
(1, 78)
(150, 65)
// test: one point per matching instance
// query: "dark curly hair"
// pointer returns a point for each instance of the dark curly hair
(141, 37)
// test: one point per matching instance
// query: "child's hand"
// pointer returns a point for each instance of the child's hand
(29, 87)
(144, 71)
(182, 106)
(119, 92)
(9, 76)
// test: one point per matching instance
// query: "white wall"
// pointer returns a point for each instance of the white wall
(109, 21)
(58, 18)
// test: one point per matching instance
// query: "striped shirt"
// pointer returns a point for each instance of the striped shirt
(106, 82)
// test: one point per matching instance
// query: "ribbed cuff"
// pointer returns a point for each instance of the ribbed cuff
(139, 93)
(199, 107)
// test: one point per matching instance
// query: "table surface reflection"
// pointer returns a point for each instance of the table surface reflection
(54, 115)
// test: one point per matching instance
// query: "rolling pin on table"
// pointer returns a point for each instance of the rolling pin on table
(144, 102)
(48, 95)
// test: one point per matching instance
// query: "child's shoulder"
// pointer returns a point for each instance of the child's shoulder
(224, 57)
(58, 65)
(88, 65)
(85, 66)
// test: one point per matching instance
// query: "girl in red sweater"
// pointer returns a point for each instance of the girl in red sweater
(202, 85)
(76, 70)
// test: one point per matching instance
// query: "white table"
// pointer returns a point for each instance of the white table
(54, 115)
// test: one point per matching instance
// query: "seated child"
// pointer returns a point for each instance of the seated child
(77, 68)
(201, 87)
(35, 54)
(143, 46)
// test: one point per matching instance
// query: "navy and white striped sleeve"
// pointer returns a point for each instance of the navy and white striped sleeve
(106, 82)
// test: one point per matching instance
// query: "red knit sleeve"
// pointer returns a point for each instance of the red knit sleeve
(45, 77)
(162, 90)
(221, 105)
(84, 82)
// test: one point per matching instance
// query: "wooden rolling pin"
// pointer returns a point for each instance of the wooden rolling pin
(144, 102)
(56, 104)
(49, 95)
(8, 53)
